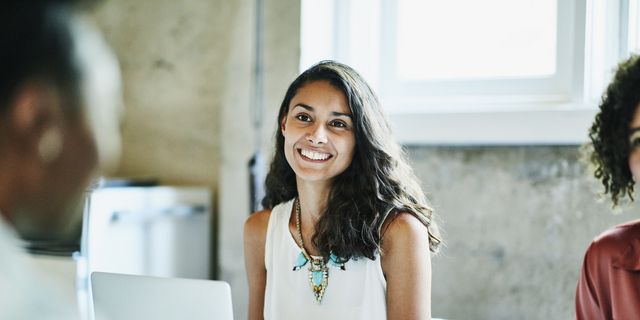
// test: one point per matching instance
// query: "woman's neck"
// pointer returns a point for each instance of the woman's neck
(313, 199)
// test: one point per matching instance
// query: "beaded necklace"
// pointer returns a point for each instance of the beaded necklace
(318, 271)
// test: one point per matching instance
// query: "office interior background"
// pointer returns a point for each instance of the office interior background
(497, 148)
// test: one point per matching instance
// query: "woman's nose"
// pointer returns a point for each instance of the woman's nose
(317, 135)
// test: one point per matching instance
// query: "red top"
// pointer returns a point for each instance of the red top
(609, 286)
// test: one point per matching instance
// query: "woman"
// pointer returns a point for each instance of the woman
(609, 284)
(348, 231)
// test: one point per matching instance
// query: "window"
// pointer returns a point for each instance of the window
(478, 72)
(435, 40)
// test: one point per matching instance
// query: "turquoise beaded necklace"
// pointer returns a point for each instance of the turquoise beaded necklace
(318, 271)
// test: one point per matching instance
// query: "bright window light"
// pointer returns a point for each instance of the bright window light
(634, 27)
(470, 39)
(316, 32)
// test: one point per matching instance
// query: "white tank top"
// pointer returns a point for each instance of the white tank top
(358, 292)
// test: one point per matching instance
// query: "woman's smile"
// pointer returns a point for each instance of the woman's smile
(312, 155)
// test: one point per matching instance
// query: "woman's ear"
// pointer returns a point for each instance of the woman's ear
(283, 122)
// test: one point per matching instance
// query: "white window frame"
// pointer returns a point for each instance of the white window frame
(453, 95)
(591, 41)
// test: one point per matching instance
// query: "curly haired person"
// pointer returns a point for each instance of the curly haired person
(609, 285)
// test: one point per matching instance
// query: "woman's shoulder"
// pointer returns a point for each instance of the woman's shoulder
(622, 233)
(257, 223)
(402, 229)
(614, 243)
(404, 244)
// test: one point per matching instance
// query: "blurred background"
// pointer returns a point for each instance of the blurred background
(492, 99)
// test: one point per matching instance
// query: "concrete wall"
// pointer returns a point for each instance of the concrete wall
(188, 81)
(174, 60)
(518, 221)
(281, 56)
(173, 57)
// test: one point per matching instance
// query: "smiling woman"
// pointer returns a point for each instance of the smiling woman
(342, 203)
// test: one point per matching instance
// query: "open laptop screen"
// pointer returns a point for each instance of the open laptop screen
(131, 297)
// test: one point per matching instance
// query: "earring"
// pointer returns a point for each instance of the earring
(50, 145)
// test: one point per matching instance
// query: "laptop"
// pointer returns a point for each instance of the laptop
(131, 297)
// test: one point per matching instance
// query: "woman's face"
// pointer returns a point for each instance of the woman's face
(318, 132)
(634, 140)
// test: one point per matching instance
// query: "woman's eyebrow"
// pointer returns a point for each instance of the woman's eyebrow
(634, 130)
(340, 114)
(309, 108)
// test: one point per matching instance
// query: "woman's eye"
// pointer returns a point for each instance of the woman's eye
(338, 124)
(303, 117)
(635, 140)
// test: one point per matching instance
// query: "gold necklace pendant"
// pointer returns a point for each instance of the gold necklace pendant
(318, 278)
(318, 271)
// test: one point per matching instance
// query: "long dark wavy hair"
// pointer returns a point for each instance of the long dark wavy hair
(609, 133)
(377, 180)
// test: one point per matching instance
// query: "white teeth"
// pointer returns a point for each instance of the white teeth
(314, 155)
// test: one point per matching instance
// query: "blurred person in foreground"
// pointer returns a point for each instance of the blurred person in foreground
(59, 100)
(609, 285)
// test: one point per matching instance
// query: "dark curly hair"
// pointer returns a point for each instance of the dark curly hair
(377, 180)
(610, 131)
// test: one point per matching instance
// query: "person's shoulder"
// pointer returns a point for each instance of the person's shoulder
(403, 228)
(615, 240)
(404, 245)
(257, 224)
(258, 220)
(622, 233)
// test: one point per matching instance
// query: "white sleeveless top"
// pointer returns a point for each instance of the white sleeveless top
(358, 292)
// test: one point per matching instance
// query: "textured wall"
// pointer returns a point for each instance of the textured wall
(188, 70)
(518, 221)
(173, 57)
(281, 56)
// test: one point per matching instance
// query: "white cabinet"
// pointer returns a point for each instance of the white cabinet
(156, 231)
